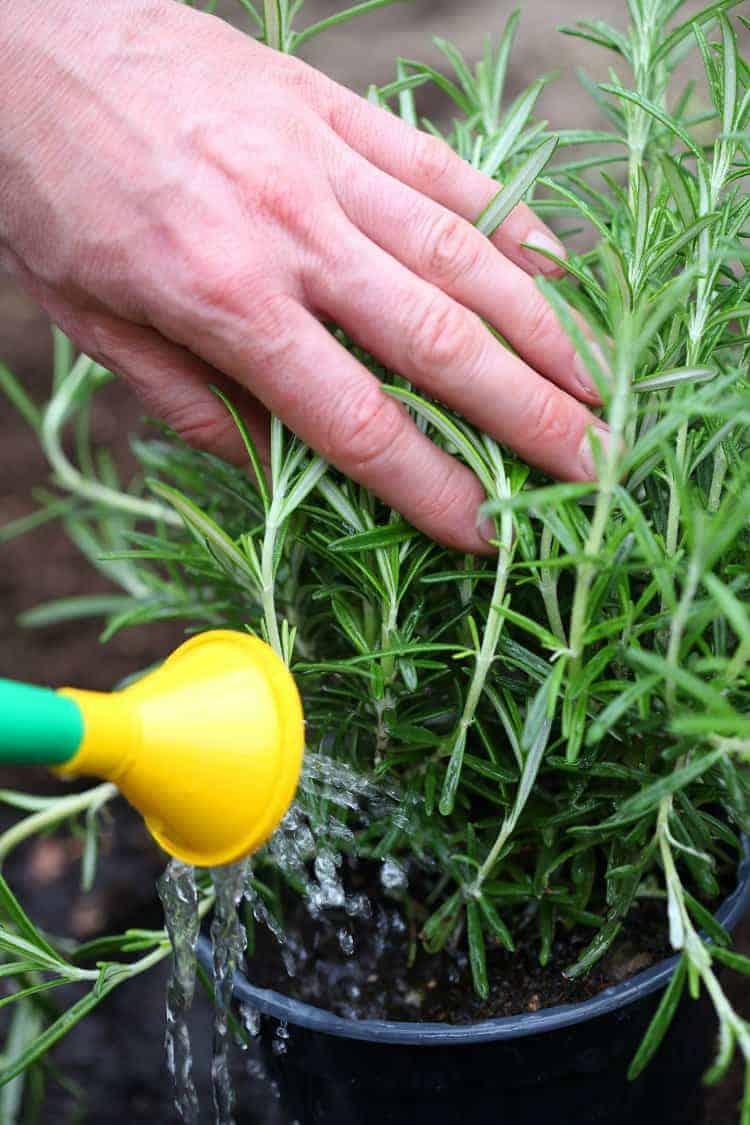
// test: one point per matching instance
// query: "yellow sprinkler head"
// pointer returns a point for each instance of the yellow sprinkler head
(208, 747)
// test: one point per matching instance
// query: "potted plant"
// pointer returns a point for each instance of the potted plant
(534, 758)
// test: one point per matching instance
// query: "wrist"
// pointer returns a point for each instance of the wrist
(30, 32)
(56, 55)
(43, 41)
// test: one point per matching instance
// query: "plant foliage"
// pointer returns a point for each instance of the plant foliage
(566, 723)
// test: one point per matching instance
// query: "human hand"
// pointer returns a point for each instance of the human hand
(189, 205)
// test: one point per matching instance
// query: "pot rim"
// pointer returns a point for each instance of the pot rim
(301, 1014)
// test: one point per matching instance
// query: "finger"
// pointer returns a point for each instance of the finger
(175, 386)
(419, 331)
(450, 253)
(324, 395)
(431, 167)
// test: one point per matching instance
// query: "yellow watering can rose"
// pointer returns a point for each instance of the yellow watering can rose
(208, 747)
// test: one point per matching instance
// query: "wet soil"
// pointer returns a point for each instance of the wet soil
(375, 968)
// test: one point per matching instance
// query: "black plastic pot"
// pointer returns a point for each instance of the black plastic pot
(565, 1065)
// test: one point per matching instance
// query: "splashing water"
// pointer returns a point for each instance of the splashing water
(341, 783)
(250, 1020)
(311, 835)
(178, 894)
(280, 1038)
(392, 876)
(308, 848)
(346, 942)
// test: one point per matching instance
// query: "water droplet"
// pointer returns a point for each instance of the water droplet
(346, 942)
(280, 1039)
(250, 1020)
(358, 906)
(392, 876)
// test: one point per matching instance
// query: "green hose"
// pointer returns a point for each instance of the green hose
(38, 727)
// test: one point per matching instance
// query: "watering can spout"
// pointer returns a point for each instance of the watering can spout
(208, 747)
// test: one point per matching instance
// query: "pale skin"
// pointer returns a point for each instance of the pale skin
(190, 206)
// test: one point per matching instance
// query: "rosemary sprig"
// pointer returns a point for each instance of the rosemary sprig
(567, 725)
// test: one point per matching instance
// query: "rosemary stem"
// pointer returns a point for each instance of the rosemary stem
(273, 24)
(268, 580)
(63, 809)
(68, 476)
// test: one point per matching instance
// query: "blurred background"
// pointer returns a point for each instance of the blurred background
(116, 1060)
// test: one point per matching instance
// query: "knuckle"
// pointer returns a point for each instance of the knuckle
(548, 417)
(255, 176)
(440, 503)
(213, 142)
(216, 293)
(273, 315)
(303, 80)
(541, 327)
(327, 262)
(205, 280)
(441, 336)
(366, 431)
(100, 341)
(341, 112)
(452, 251)
(432, 160)
(212, 284)
(275, 198)
(270, 194)
(296, 77)
(298, 132)
(200, 425)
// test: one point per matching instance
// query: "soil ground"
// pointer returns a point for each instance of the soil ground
(116, 1057)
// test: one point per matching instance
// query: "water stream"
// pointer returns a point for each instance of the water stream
(307, 848)
(178, 894)
(228, 940)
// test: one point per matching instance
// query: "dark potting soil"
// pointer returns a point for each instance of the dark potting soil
(375, 968)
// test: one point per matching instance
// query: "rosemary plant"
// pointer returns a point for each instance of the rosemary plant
(566, 723)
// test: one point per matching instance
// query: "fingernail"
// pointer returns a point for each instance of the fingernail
(543, 240)
(584, 378)
(594, 447)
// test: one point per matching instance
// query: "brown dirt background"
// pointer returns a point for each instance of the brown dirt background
(117, 1056)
